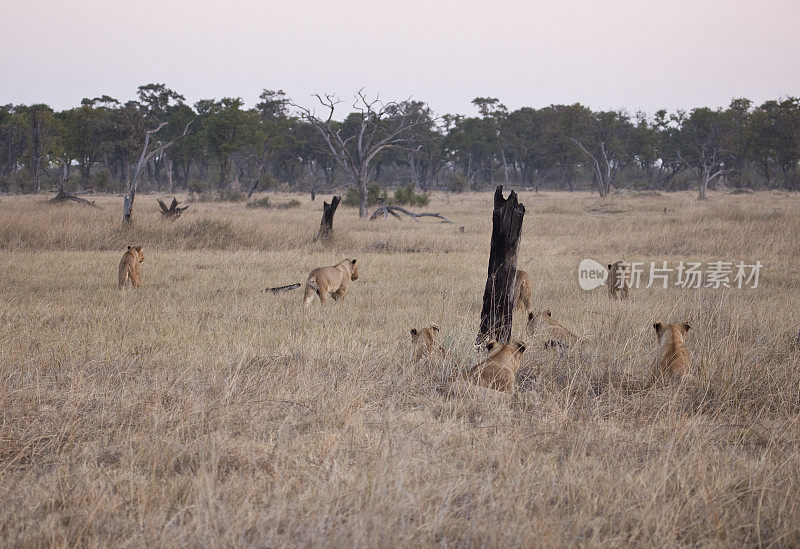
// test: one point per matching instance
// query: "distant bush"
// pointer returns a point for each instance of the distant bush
(260, 203)
(265, 203)
(405, 196)
(375, 196)
(457, 185)
(223, 195)
(293, 203)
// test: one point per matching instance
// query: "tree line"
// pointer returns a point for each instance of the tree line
(218, 144)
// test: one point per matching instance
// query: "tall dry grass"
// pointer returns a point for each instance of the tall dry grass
(203, 411)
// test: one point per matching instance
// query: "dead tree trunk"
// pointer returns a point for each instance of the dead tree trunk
(132, 184)
(326, 225)
(174, 211)
(498, 296)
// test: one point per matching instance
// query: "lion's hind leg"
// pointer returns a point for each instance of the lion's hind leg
(311, 289)
(123, 276)
(135, 280)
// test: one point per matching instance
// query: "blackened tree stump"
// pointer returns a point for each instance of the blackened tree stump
(498, 296)
(326, 225)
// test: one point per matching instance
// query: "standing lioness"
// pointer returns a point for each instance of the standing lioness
(330, 281)
(129, 266)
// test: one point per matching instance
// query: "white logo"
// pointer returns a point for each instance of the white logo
(591, 274)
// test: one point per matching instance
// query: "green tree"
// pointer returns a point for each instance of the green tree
(13, 135)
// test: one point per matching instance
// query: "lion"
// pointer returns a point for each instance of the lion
(497, 371)
(330, 281)
(619, 280)
(129, 267)
(556, 335)
(522, 291)
(672, 360)
(424, 343)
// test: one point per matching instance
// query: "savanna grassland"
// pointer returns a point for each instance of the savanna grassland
(202, 411)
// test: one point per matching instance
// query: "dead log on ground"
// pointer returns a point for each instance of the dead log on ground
(63, 196)
(385, 211)
(174, 211)
(287, 288)
(326, 225)
(498, 296)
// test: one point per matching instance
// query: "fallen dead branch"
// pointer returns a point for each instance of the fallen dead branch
(385, 211)
(287, 288)
(64, 196)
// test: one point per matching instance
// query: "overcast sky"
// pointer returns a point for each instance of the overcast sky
(633, 54)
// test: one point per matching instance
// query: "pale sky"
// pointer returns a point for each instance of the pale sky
(644, 54)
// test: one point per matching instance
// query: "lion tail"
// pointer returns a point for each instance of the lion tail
(123, 274)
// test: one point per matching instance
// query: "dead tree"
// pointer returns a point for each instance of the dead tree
(326, 225)
(63, 195)
(144, 158)
(174, 211)
(498, 296)
(385, 211)
(252, 189)
(376, 127)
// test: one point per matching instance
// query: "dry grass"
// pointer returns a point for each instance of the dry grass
(203, 411)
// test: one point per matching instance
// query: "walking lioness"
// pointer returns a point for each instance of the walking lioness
(330, 281)
(129, 266)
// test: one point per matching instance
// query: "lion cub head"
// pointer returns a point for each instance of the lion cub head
(424, 341)
(353, 270)
(137, 251)
(672, 360)
(555, 334)
(538, 321)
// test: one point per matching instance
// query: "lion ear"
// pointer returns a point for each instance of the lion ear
(521, 346)
(547, 312)
(353, 262)
(434, 327)
(129, 247)
(413, 331)
(491, 344)
(530, 315)
(657, 327)
(685, 327)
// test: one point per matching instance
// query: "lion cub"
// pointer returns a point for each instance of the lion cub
(129, 267)
(498, 370)
(556, 335)
(619, 280)
(522, 291)
(330, 281)
(672, 360)
(424, 343)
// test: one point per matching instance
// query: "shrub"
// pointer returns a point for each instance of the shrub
(457, 185)
(223, 195)
(265, 203)
(260, 203)
(293, 203)
(405, 196)
(375, 196)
